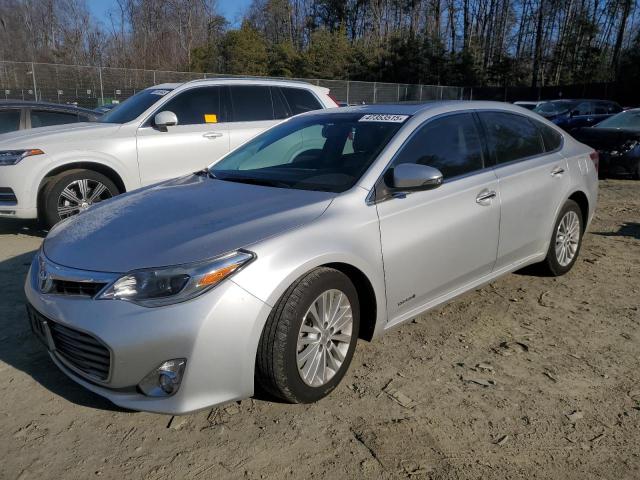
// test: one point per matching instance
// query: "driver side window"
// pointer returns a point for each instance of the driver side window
(451, 144)
(198, 105)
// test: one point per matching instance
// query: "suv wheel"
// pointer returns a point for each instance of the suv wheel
(72, 192)
(310, 337)
(566, 240)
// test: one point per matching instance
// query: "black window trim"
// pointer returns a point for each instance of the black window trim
(535, 123)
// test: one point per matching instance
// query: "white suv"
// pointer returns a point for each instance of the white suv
(162, 132)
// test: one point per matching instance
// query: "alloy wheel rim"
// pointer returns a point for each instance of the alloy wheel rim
(567, 238)
(80, 195)
(324, 337)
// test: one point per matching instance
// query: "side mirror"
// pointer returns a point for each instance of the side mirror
(411, 176)
(165, 119)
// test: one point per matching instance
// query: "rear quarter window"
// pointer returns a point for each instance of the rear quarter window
(551, 138)
(300, 100)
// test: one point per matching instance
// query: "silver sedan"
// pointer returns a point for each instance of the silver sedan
(268, 266)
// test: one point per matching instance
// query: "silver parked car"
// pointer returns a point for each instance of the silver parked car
(332, 226)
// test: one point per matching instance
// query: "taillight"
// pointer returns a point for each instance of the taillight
(333, 99)
(595, 158)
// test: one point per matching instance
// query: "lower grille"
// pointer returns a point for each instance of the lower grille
(7, 196)
(77, 349)
(83, 289)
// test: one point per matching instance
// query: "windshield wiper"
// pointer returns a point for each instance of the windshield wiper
(255, 181)
(205, 172)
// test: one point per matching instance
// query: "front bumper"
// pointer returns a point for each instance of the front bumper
(218, 334)
(21, 180)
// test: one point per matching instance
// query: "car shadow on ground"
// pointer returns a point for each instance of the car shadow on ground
(628, 229)
(20, 349)
(10, 226)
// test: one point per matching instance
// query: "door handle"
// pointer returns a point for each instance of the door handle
(212, 135)
(484, 197)
(556, 172)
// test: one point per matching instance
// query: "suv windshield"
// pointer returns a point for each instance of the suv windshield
(629, 120)
(327, 152)
(133, 106)
(554, 108)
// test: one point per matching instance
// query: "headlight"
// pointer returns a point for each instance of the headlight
(628, 145)
(156, 287)
(11, 157)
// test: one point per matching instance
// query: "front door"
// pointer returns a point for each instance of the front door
(437, 241)
(200, 137)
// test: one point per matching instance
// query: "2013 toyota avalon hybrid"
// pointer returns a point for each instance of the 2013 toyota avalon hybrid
(332, 226)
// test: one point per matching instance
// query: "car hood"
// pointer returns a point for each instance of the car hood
(180, 221)
(43, 136)
(605, 139)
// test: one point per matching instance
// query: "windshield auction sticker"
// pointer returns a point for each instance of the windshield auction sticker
(383, 117)
(162, 93)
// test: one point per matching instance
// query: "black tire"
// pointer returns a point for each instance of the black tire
(48, 208)
(636, 174)
(276, 362)
(551, 264)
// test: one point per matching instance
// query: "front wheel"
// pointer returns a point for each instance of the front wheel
(566, 240)
(73, 191)
(310, 337)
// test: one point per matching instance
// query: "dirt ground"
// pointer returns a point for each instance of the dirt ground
(528, 377)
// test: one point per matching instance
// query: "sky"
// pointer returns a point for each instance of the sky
(231, 9)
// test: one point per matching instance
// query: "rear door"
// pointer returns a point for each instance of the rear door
(436, 241)
(582, 115)
(200, 138)
(533, 179)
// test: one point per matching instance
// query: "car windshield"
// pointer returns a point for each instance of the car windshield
(553, 108)
(327, 152)
(133, 106)
(629, 120)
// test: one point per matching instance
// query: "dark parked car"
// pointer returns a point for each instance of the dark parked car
(22, 115)
(572, 114)
(617, 139)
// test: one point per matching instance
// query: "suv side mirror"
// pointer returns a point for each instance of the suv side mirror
(165, 119)
(411, 176)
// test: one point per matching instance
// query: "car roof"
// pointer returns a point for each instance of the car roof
(240, 81)
(47, 105)
(416, 108)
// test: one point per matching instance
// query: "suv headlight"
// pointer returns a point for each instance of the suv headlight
(156, 287)
(11, 157)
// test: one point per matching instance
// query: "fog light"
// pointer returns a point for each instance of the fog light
(165, 380)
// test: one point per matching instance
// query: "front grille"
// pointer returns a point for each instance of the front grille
(68, 287)
(77, 349)
(7, 195)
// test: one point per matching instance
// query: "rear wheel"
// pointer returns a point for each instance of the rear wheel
(72, 192)
(310, 337)
(566, 240)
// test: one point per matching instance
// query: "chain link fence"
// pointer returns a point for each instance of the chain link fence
(91, 87)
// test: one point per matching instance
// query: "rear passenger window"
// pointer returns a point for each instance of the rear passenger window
(251, 104)
(9, 120)
(47, 118)
(300, 100)
(197, 106)
(583, 108)
(600, 109)
(552, 139)
(512, 137)
(450, 144)
(614, 108)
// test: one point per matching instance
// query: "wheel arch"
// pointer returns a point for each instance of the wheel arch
(105, 170)
(583, 202)
(366, 297)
